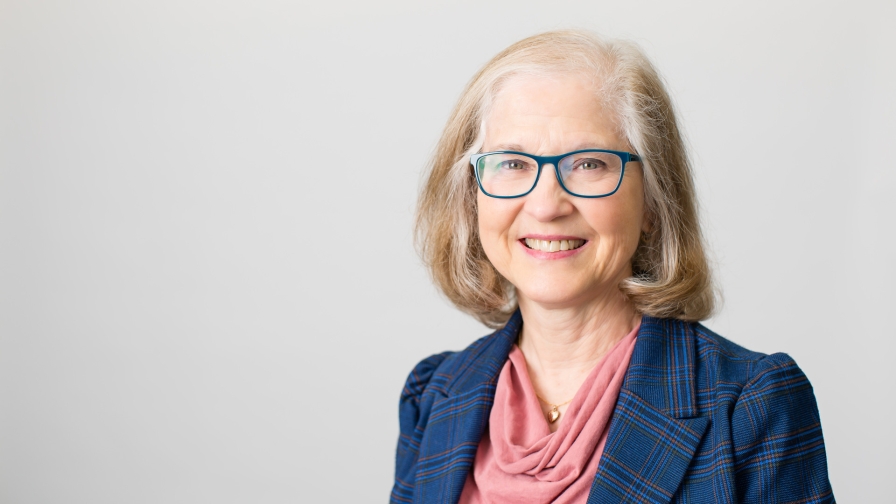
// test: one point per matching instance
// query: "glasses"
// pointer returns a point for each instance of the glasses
(589, 173)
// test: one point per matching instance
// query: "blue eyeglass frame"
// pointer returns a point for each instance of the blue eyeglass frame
(626, 157)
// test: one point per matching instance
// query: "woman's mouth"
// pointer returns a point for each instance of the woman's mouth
(552, 245)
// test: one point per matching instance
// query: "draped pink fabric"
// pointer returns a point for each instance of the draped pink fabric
(519, 459)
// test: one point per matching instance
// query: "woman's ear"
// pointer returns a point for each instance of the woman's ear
(647, 224)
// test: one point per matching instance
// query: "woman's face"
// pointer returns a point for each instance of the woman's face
(549, 116)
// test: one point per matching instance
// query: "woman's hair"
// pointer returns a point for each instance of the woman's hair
(671, 276)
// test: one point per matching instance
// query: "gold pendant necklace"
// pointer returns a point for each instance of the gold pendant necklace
(554, 414)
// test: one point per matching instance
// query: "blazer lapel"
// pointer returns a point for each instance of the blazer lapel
(457, 421)
(655, 429)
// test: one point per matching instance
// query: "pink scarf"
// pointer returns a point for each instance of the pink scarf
(520, 460)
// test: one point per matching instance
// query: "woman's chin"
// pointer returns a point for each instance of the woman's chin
(567, 293)
(552, 297)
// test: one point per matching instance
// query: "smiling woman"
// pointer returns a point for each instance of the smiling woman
(560, 209)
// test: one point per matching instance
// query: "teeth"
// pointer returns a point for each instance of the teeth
(553, 245)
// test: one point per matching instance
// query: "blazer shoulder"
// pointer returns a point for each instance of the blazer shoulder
(435, 373)
(421, 377)
(714, 344)
(747, 377)
(730, 363)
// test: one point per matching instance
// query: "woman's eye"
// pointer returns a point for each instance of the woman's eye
(513, 165)
(590, 164)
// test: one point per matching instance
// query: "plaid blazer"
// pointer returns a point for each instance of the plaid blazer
(698, 420)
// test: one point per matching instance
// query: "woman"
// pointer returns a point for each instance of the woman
(560, 209)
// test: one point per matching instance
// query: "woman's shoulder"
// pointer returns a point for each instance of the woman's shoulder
(733, 363)
(676, 346)
(467, 369)
(436, 372)
(420, 378)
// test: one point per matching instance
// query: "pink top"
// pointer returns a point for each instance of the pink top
(520, 460)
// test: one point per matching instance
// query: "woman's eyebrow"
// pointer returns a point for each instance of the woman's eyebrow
(577, 147)
(513, 147)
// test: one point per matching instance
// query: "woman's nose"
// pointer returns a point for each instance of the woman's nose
(548, 200)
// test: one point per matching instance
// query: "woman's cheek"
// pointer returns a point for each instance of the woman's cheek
(490, 240)
(494, 232)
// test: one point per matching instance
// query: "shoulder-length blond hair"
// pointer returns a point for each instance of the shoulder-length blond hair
(671, 276)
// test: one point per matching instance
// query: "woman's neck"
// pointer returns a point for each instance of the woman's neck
(562, 345)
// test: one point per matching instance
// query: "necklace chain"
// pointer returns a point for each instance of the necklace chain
(552, 415)
(552, 404)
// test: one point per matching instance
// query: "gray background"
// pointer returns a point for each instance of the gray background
(195, 306)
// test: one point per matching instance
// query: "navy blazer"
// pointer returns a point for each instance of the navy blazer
(698, 420)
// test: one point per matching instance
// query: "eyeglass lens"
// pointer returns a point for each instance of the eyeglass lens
(584, 173)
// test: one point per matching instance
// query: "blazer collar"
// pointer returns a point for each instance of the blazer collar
(662, 369)
(652, 436)
(655, 430)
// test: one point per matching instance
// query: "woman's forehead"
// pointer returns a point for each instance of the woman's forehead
(545, 93)
(549, 112)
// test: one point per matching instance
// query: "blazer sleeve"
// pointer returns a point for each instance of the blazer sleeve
(778, 446)
(412, 416)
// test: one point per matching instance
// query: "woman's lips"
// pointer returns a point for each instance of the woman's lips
(557, 248)
(552, 245)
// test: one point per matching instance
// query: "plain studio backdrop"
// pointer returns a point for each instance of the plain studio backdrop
(208, 289)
